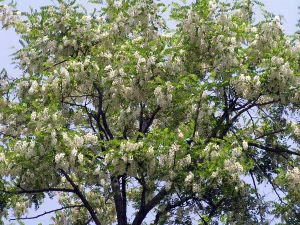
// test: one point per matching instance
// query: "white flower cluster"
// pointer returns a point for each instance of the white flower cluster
(245, 145)
(296, 129)
(20, 208)
(246, 86)
(8, 17)
(25, 148)
(210, 147)
(280, 78)
(64, 161)
(65, 76)
(295, 50)
(33, 88)
(130, 146)
(3, 164)
(90, 138)
(79, 140)
(233, 167)
(236, 151)
(75, 143)
(46, 120)
(128, 116)
(2, 157)
(189, 178)
(294, 177)
(23, 87)
(59, 157)
(125, 160)
(163, 99)
(204, 117)
(187, 160)
(169, 158)
(214, 154)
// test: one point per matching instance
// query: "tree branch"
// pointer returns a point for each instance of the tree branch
(142, 213)
(48, 212)
(55, 64)
(124, 195)
(101, 114)
(170, 207)
(144, 190)
(150, 120)
(270, 133)
(278, 149)
(196, 119)
(141, 119)
(119, 201)
(257, 196)
(82, 197)
(23, 191)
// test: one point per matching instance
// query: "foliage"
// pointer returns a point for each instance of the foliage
(127, 121)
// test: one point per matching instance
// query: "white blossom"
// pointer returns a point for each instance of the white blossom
(189, 178)
(33, 87)
(2, 157)
(33, 116)
(59, 157)
(78, 141)
(53, 137)
(74, 152)
(245, 145)
(233, 167)
(91, 138)
(80, 158)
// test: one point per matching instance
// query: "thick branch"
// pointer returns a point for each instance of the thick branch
(144, 190)
(196, 119)
(82, 197)
(101, 114)
(141, 122)
(120, 201)
(170, 207)
(142, 213)
(101, 129)
(215, 207)
(124, 195)
(150, 120)
(278, 149)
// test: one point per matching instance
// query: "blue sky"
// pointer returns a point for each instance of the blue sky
(9, 43)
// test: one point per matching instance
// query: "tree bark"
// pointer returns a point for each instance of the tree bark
(120, 201)
(142, 213)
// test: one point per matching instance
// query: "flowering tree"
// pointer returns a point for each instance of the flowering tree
(126, 121)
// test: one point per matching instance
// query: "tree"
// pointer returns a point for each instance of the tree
(128, 122)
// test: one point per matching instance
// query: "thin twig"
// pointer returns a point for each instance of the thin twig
(47, 212)
(24, 191)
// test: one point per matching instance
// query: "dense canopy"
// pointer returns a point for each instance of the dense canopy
(127, 121)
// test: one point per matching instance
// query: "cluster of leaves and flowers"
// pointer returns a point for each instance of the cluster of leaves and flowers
(126, 121)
